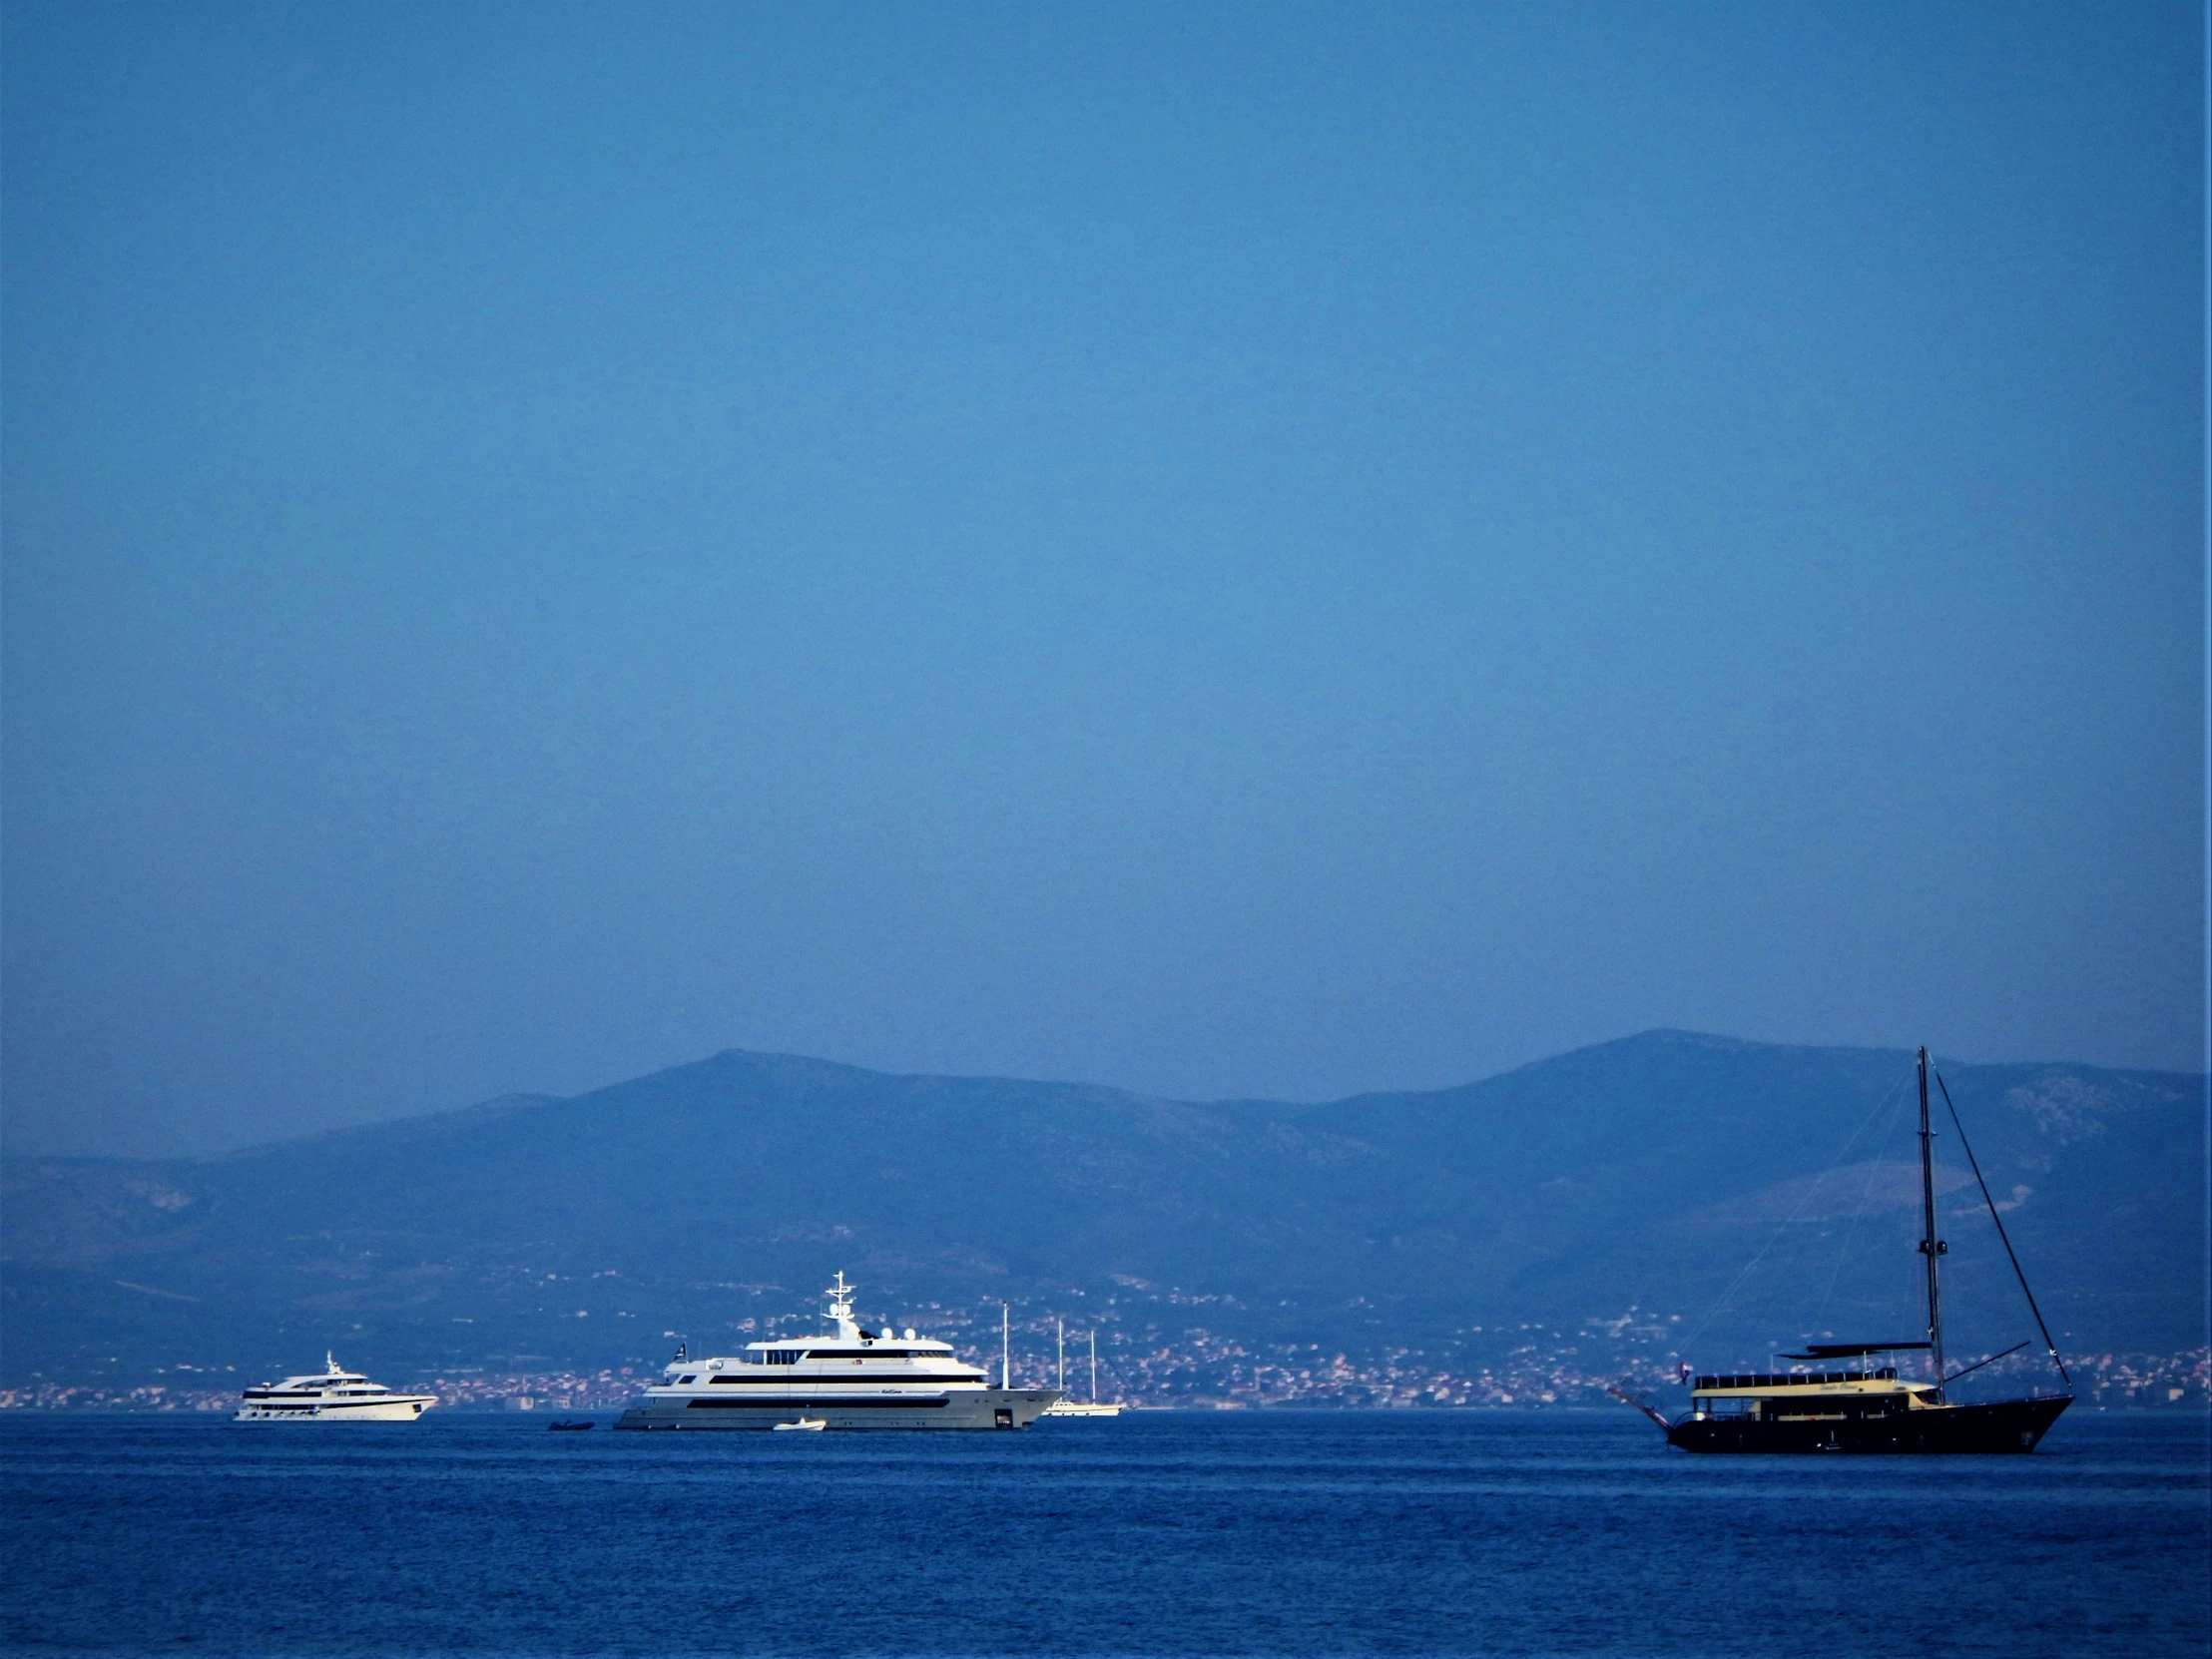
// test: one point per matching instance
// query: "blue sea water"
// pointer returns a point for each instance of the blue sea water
(1160, 1533)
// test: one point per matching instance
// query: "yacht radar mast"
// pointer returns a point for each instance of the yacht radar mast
(840, 1308)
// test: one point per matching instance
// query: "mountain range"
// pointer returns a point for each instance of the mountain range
(1668, 1193)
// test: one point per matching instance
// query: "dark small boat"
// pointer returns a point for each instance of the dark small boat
(1867, 1409)
(565, 1428)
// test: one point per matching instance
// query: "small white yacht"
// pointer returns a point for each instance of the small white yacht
(333, 1396)
(847, 1379)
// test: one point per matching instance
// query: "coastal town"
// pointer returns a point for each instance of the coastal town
(1200, 1372)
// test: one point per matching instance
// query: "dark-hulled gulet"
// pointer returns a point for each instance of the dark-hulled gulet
(1869, 1410)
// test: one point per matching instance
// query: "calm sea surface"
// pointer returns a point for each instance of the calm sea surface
(1402, 1532)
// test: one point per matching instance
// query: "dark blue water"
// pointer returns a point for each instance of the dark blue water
(1428, 1533)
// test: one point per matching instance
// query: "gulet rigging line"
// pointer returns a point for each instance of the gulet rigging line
(1804, 1198)
(1978, 1363)
(1878, 1147)
(2004, 1238)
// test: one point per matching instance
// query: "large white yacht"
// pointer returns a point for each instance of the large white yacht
(333, 1396)
(847, 1379)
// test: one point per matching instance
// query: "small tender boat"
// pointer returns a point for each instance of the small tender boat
(570, 1427)
(813, 1426)
(1866, 1407)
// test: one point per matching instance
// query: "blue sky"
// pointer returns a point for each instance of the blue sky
(1224, 550)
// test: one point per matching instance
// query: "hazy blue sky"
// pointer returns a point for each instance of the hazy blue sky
(1221, 549)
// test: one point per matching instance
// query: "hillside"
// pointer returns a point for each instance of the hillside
(1667, 1190)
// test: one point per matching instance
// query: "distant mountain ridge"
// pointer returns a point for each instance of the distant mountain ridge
(1725, 1194)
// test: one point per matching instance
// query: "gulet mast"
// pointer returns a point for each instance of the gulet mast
(1931, 1246)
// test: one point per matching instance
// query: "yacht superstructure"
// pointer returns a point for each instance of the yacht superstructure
(333, 1395)
(849, 1377)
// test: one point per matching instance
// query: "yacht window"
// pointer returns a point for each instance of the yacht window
(681, 1380)
(780, 1356)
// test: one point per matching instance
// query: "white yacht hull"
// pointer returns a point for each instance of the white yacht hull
(397, 1408)
(953, 1409)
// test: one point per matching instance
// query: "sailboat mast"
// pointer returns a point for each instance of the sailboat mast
(1006, 1321)
(1094, 1367)
(1060, 1329)
(1931, 1246)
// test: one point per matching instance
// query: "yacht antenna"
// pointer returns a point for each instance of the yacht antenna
(1931, 1246)
(1005, 1348)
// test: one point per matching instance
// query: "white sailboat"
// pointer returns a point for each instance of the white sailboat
(1092, 1407)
